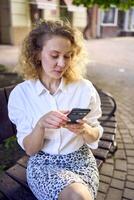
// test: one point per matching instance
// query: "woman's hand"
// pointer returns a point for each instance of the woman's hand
(35, 141)
(53, 119)
(90, 134)
(77, 128)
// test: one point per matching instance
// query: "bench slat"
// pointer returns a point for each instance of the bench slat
(23, 161)
(105, 112)
(103, 118)
(8, 91)
(13, 190)
(106, 104)
(109, 124)
(109, 130)
(105, 144)
(6, 128)
(108, 137)
(100, 153)
(18, 173)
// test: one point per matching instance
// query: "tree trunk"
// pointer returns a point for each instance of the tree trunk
(87, 29)
(90, 30)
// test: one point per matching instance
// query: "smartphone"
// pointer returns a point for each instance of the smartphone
(77, 113)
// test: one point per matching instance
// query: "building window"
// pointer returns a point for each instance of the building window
(131, 19)
(109, 17)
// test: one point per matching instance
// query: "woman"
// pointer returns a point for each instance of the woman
(61, 165)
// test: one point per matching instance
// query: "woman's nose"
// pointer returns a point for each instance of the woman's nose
(61, 62)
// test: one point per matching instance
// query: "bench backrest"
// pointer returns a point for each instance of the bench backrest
(108, 121)
(7, 129)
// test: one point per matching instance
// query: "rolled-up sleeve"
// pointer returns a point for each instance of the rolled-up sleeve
(94, 115)
(17, 114)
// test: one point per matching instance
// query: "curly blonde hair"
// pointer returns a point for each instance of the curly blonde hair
(29, 64)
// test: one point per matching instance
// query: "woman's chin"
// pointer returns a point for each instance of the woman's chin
(58, 74)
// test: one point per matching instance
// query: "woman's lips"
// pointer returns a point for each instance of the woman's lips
(58, 71)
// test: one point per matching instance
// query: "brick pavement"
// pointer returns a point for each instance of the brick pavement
(112, 70)
(117, 173)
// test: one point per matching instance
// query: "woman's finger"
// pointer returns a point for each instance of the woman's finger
(81, 121)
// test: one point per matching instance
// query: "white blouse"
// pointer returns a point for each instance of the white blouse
(30, 100)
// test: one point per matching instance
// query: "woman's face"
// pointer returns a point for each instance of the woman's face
(56, 57)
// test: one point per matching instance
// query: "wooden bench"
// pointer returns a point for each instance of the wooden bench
(13, 184)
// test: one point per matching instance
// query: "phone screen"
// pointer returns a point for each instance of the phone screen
(77, 113)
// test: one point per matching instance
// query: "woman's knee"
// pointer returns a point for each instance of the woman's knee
(75, 191)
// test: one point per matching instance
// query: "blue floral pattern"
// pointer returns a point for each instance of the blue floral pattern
(47, 174)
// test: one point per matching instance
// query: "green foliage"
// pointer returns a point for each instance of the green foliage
(2, 168)
(2, 68)
(121, 4)
(10, 142)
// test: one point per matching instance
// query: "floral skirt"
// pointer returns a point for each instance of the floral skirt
(48, 174)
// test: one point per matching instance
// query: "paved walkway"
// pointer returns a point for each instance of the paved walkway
(112, 70)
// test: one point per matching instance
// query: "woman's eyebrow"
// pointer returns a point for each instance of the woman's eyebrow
(56, 51)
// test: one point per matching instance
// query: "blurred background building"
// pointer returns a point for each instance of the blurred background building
(18, 16)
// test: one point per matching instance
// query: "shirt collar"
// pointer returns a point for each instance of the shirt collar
(62, 87)
(40, 88)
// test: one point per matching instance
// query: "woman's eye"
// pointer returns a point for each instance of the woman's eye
(54, 56)
(67, 57)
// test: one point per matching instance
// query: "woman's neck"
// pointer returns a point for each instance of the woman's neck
(51, 84)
